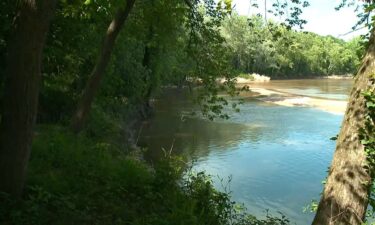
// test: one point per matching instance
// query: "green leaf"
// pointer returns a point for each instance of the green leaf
(370, 104)
(87, 2)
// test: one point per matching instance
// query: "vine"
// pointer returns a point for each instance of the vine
(367, 136)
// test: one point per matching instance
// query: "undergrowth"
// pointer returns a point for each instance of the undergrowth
(85, 180)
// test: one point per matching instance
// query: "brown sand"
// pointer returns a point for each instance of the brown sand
(286, 99)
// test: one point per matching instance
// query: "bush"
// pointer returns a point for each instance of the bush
(76, 180)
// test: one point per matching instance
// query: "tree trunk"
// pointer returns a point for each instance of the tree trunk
(345, 196)
(24, 57)
(149, 53)
(96, 76)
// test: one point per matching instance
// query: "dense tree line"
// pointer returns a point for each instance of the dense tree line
(281, 52)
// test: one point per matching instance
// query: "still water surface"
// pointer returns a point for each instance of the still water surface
(277, 156)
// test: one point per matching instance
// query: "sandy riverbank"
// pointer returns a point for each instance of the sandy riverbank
(249, 79)
(339, 77)
(286, 99)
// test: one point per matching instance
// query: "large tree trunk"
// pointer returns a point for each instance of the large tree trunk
(96, 76)
(345, 196)
(24, 57)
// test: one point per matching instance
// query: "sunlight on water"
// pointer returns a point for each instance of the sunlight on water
(277, 156)
(279, 166)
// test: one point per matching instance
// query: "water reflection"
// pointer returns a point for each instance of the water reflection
(194, 136)
(277, 155)
(284, 168)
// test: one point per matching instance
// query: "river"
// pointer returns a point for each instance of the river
(277, 156)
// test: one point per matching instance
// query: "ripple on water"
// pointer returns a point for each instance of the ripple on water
(277, 156)
(280, 165)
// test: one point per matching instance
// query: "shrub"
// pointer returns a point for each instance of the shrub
(78, 180)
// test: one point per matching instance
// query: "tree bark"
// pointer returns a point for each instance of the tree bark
(97, 74)
(23, 72)
(345, 196)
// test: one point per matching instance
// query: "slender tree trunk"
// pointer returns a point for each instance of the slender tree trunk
(24, 57)
(345, 196)
(150, 52)
(148, 78)
(97, 74)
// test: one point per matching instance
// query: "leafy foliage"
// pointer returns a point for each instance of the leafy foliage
(280, 52)
(367, 136)
(80, 180)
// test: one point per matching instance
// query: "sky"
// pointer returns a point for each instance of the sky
(321, 16)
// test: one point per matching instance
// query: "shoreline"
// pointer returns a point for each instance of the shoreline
(265, 79)
(273, 96)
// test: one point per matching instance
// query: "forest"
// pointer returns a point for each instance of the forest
(78, 79)
(280, 52)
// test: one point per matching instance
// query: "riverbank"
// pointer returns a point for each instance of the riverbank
(257, 78)
(339, 77)
(291, 100)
